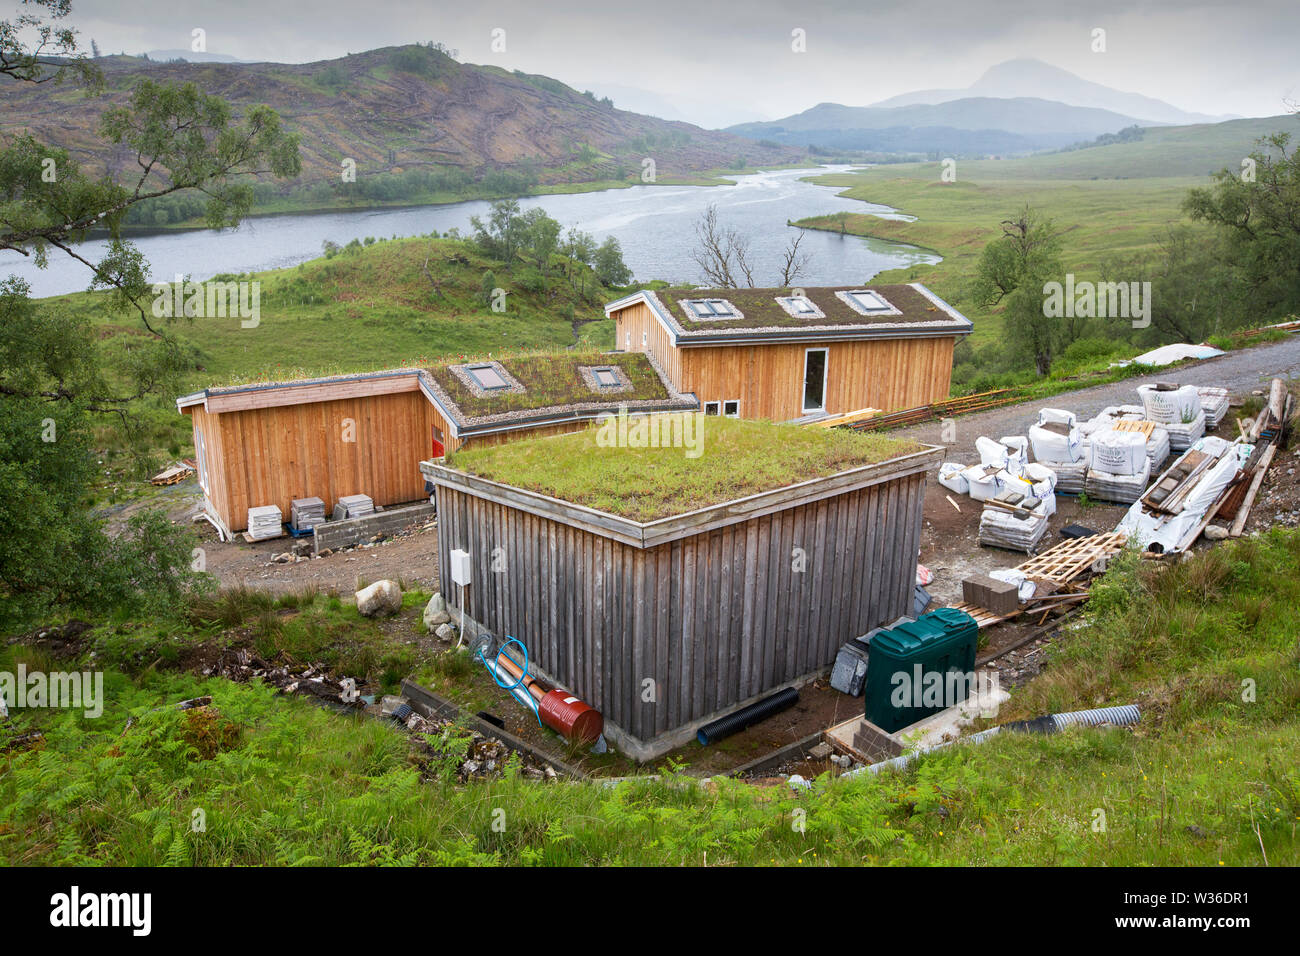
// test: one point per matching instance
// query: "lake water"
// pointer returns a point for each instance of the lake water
(654, 224)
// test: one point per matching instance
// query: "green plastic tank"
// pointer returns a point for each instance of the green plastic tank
(920, 668)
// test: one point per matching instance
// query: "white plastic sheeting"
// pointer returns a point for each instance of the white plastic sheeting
(1169, 354)
(1016, 577)
(1169, 530)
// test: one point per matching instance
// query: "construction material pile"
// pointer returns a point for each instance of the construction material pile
(353, 506)
(264, 522)
(1018, 496)
(1120, 468)
(1214, 403)
(306, 513)
(1172, 514)
(1176, 409)
(1133, 418)
(1060, 444)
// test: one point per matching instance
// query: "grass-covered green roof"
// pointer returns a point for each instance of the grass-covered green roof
(553, 380)
(723, 459)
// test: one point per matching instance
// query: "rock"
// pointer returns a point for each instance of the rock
(819, 751)
(1214, 532)
(382, 597)
(445, 632)
(435, 612)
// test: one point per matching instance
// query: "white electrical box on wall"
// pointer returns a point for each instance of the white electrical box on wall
(460, 567)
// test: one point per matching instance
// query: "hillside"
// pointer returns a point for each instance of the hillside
(1112, 202)
(401, 109)
(974, 125)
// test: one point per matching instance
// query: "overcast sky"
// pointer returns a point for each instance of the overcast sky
(1217, 58)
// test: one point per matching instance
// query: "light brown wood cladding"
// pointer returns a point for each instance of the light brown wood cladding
(889, 374)
(269, 456)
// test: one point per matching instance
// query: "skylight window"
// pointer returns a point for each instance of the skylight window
(606, 378)
(869, 303)
(800, 307)
(487, 378)
(708, 309)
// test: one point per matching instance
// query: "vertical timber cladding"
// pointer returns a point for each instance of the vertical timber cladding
(327, 449)
(690, 622)
(889, 374)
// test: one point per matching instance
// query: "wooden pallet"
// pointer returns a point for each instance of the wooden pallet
(1143, 427)
(1068, 560)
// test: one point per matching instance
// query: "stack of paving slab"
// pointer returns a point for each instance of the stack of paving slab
(1177, 410)
(353, 506)
(1214, 402)
(265, 521)
(306, 513)
(1021, 531)
(1120, 468)
(1059, 443)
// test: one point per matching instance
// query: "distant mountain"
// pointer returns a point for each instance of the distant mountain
(403, 108)
(975, 125)
(1029, 77)
(189, 56)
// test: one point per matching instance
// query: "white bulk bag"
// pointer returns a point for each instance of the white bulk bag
(991, 452)
(952, 477)
(1170, 407)
(1118, 453)
(1054, 448)
(985, 484)
(1056, 416)
(1017, 453)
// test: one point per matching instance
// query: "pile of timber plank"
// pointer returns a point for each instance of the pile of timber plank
(170, 476)
(265, 522)
(306, 513)
(353, 506)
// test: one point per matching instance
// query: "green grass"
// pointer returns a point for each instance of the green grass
(732, 458)
(1111, 202)
(1206, 778)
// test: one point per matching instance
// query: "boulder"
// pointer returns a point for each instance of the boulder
(435, 612)
(382, 597)
(1215, 532)
(445, 632)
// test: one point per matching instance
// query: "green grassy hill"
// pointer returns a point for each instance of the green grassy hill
(1110, 201)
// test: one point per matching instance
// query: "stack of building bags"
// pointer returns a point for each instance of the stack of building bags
(1003, 474)
(1120, 467)
(1176, 410)
(1060, 444)
(1158, 446)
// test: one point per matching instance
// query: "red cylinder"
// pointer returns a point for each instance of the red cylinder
(567, 715)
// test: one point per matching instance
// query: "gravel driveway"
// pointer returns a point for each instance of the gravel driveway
(1239, 372)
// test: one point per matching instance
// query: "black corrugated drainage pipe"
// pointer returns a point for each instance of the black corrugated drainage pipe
(747, 716)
